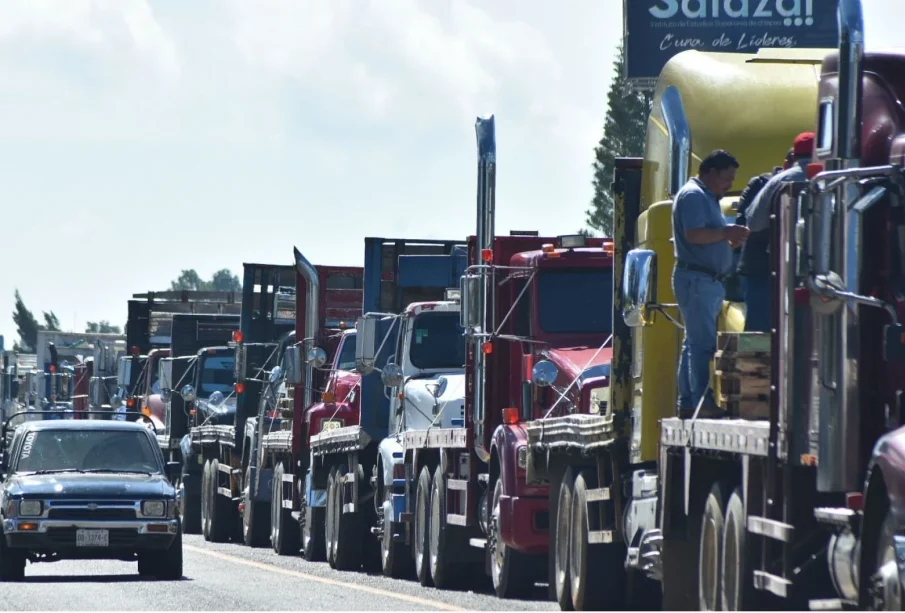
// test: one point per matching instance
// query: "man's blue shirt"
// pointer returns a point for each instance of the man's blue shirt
(695, 207)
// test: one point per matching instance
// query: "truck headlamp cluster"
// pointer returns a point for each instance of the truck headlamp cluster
(30, 508)
(522, 454)
(572, 241)
(154, 508)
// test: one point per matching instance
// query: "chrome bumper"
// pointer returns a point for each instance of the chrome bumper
(11, 526)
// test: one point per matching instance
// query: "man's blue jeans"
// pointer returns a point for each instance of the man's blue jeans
(700, 299)
(758, 304)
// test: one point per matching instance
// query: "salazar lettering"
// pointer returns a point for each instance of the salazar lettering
(799, 12)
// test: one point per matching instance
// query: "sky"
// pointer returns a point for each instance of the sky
(142, 137)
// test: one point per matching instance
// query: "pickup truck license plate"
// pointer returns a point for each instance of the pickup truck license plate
(92, 538)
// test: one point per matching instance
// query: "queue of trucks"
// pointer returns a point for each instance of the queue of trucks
(501, 408)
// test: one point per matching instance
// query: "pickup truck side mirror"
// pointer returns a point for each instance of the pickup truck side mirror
(174, 470)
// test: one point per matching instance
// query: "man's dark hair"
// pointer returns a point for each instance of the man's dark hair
(717, 160)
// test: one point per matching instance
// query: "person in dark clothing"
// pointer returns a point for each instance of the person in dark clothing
(755, 258)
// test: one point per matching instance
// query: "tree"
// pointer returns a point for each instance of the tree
(623, 136)
(221, 281)
(26, 326)
(225, 281)
(102, 327)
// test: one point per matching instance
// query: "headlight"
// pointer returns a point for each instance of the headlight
(331, 424)
(154, 508)
(30, 508)
(523, 457)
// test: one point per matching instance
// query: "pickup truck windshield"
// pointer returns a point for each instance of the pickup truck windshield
(347, 353)
(437, 341)
(217, 374)
(575, 301)
(86, 450)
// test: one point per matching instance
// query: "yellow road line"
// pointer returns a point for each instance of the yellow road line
(424, 602)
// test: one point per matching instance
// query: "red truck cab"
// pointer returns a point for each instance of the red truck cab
(339, 405)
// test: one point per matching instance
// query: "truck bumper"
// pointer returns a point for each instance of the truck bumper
(61, 536)
(524, 524)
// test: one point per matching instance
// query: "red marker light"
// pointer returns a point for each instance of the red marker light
(487, 255)
(237, 336)
(239, 387)
(510, 416)
(53, 368)
(135, 350)
(130, 402)
(487, 348)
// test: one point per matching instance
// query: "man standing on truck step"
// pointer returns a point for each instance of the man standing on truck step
(755, 254)
(703, 243)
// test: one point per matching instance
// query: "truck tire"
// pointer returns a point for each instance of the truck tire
(421, 528)
(221, 511)
(284, 529)
(443, 566)
(710, 551)
(206, 500)
(395, 561)
(255, 518)
(190, 513)
(12, 563)
(561, 552)
(737, 591)
(597, 573)
(512, 571)
(313, 545)
(347, 541)
(330, 521)
(166, 564)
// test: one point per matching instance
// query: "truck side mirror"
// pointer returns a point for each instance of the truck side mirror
(174, 471)
(639, 286)
(241, 360)
(392, 375)
(292, 365)
(365, 345)
(115, 402)
(94, 392)
(124, 373)
(317, 357)
(470, 309)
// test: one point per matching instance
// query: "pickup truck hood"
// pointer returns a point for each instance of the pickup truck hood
(90, 485)
(420, 403)
(580, 362)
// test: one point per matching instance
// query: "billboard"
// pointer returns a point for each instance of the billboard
(656, 30)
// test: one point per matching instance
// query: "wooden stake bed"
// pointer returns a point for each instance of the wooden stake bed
(742, 374)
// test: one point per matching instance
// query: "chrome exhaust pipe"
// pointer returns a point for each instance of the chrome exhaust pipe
(312, 306)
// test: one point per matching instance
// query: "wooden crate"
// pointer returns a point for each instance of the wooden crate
(744, 342)
(752, 407)
(742, 374)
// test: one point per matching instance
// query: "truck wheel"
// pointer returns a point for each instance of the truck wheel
(190, 511)
(421, 528)
(331, 519)
(511, 570)
(883, 591)
(284, 531)
(165, 565)
(206, 500)
(220, 508)
(737, 591)
(711, 542)
(561, 551)
(596, 572)
(394, 559)
(313, 543)
(442, 565)
(254, 517)
(348, 533)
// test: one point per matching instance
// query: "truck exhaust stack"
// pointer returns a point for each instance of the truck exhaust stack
(312, 306)
(485, 131)
(679, 138)
(838, 332)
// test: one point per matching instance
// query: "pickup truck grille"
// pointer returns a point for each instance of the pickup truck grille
(85, 513)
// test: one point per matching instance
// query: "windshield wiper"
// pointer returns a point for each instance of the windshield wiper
(116, 470)
(50, 471)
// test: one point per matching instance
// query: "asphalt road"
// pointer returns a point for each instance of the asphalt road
(232, 577)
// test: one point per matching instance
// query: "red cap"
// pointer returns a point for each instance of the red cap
(803, 144)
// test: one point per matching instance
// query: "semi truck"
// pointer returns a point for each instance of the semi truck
(300, 398)
(526, 300)
(149, 331)
(342, 473)
(791, 501)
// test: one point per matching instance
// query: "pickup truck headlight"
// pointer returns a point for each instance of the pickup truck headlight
(30, 508)
(154, 508)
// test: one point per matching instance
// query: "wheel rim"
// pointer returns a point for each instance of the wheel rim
(246, 508)
(563, 538)
(497, 546)
(328, 521)
(576, 555)
(732, 562)
(888, 577)
(708, 565)
(420, 516)
(435, 530)
(386, 541)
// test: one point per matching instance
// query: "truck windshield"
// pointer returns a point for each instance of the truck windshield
(437, 341)
(575, 301)
(347, 353)
(87, 450)
(217, 374)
